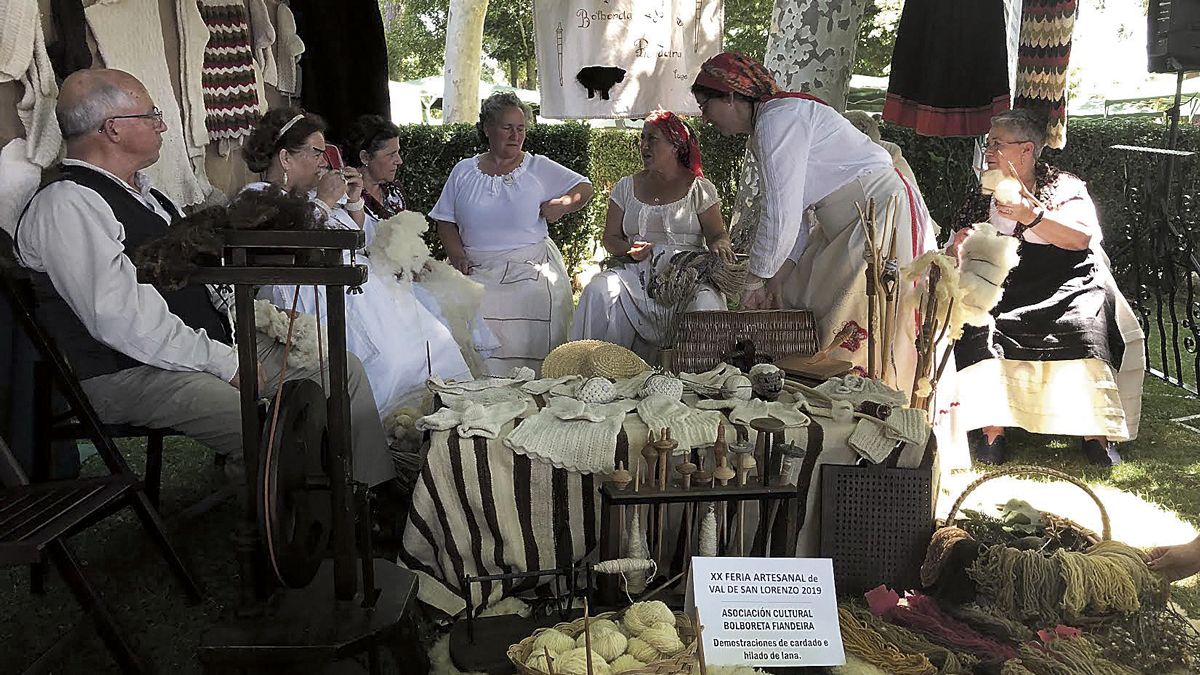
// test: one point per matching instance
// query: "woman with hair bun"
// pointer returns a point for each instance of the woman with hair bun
(373, 146)
(667, 208)
(387, 326)
(493, 217)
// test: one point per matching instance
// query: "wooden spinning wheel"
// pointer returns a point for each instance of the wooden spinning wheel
(294, 505)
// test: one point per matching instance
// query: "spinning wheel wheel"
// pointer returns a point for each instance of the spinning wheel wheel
(294, 506)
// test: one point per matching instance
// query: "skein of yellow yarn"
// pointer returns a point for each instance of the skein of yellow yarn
(603, 624)
(642, 651)
(574, 662)
(642, 615)
(663, 638)
(607, 642)
(538, 661)
(625, 663)
(555, 641)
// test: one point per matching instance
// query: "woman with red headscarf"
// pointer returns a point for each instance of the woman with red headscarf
(815, 169)
(667, 208)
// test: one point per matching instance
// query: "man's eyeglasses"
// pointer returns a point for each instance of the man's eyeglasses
(154, 114)
(993, 146)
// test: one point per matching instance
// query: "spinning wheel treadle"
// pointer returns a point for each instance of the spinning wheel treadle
(294, 506)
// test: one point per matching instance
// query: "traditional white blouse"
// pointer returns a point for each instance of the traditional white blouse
(498, 213)
(806, 151)
(675, 223)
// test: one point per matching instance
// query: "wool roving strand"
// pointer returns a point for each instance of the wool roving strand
(868, 645)
(908, 642)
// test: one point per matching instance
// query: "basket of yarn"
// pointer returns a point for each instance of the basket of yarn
(1036, 567)
(646, 638)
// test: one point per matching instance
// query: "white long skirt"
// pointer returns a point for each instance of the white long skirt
(526, 303)
(399, 341)
(614, 307)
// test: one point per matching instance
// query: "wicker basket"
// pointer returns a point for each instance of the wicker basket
(703, 337)
(681, 663)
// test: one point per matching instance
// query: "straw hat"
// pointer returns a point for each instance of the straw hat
(592, 358)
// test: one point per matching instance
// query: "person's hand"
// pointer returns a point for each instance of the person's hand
(758, 294)
(553, 209)
(354, 183)
(461, 263)
(236, 380)
(1176, 562)
(332, 187)
(956, 242)
(724, 250)
(1023, 212)
(640, 250)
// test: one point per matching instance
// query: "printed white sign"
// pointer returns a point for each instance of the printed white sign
(768, 611)
(622, 58)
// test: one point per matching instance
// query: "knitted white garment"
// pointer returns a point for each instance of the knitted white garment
(742, 412)
(288, 48)
(129, 35)
(473, 419)
(631, 387)
(439, 386)
(263, 30)
(23, 57)
(909, 424)
(561, 386)
(487, 396)
(857, 389)
(19, 180)
(870, 440)
(689, 427)
(709, 382)
(193, 37)
(572, 435)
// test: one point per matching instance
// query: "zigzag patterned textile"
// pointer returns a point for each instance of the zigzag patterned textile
(1046, 30)
(228, 78)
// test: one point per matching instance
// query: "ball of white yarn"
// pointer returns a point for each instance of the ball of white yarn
(642, 615)
(574, 662)
(553, 640)
(663, 638)
(603, 624)
(625, 663)
(537, 661)
(737, 386)
(607, 642)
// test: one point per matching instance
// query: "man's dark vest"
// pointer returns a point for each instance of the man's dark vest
(88, 355)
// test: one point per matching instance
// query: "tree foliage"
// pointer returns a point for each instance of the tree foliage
(415, 31)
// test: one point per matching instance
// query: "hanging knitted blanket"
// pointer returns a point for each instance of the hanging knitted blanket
(230, 85)
(1042, 59)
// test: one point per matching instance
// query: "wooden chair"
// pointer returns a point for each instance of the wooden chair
(36, 519)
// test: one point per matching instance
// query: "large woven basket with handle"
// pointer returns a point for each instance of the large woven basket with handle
(680, 663)
(702, 338)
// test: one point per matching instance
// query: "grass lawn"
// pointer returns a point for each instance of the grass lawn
(1163, 466)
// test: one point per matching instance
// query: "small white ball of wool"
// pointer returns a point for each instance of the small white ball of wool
(737, 386)
(626, 662)
(574, 662)
(607, 642)
(642, 615)
(553, 640)
(642, 651)
(663, 638)
(1008, 191)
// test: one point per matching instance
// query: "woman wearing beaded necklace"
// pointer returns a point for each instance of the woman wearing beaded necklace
(667, 208)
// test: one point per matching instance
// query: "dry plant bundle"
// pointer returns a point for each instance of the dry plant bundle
(883, 279)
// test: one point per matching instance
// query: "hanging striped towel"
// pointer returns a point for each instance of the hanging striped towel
(1046, 30)
(229, 79)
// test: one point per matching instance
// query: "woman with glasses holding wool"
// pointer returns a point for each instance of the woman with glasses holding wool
(1065, 354)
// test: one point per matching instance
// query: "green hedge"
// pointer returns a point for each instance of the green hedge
(942, 167)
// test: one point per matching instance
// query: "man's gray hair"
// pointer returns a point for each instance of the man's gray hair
(1026, 125)
(88, 114)
(494, 107)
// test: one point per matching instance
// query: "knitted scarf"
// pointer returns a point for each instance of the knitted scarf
(229, 80)
(1045, 51)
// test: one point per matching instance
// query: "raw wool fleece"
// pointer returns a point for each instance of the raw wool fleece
(398, 249)
(948, 289)
(273, 322)
(986, 259)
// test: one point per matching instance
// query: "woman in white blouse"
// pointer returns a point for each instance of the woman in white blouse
(816, 170)
(492, 220)
(666, 208)
(399, 340)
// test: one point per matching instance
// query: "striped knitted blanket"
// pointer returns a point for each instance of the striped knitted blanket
(1046, 30)
(229, 78)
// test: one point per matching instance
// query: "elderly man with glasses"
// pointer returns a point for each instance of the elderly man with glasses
(1065, 354)
(144, 356)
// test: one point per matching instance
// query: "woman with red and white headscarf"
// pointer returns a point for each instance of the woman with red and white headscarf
(816, 169)
(667, 208)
